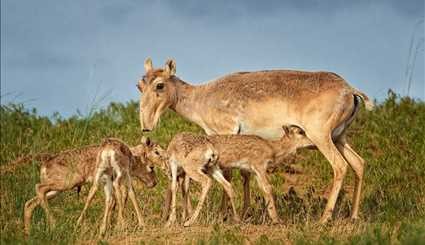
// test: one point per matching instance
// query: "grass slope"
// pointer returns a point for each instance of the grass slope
(390, 138)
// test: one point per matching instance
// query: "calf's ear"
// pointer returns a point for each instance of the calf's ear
(148, 65)
(146, 141)
(170, 67)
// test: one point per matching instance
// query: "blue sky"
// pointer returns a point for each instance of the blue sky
(68, 55)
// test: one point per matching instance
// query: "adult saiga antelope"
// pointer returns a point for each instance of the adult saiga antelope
(322, 104)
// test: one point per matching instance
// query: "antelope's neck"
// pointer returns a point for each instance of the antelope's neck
(187, 103)
(282, 147)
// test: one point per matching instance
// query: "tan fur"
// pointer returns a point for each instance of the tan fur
(248, 152)
(74, 168)
(115, 164)
(157, 155)
(260, 103)
(197, 158)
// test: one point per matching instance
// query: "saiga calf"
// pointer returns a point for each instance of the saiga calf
(69, 169)
(253, 154)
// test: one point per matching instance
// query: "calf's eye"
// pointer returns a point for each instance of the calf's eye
(159, 86)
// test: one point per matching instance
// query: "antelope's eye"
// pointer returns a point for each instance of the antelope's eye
(159, 86)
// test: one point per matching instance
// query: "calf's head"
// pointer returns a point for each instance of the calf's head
(144, 170)
(151, 152)
(295, 138)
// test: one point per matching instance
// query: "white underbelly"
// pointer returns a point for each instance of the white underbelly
(267, 118)
(271, 133)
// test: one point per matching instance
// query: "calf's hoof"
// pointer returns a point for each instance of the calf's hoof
(276, 222)
(170, 223)
(324, 221)
(187, 223)
(236, 219)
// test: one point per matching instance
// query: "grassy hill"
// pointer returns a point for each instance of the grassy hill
(390, 138)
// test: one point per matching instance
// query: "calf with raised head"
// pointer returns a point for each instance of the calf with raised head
(255, 155)
(74, 168)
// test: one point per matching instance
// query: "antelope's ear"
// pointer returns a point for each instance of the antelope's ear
(170, 67)
(148, 64)
(296, 130)
(285, 130)
(146, 141)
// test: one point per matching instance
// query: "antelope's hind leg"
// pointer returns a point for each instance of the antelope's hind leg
(206, 182)
(30, 205)
(227, 186)
(357, 164)
(42, 191)
(339, 165)
(108, 206)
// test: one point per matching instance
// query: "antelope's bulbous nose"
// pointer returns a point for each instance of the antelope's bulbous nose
(146, 130)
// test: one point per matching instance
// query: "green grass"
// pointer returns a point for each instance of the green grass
(390, 139)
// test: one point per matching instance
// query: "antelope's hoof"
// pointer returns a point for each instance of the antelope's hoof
(80, 219)
(276, 222)
(355, 219)
(187, 223)
(169, 223)
(236, 219)
(52, 222)
(325, 220)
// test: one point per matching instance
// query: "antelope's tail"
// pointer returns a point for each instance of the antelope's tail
(369, 105)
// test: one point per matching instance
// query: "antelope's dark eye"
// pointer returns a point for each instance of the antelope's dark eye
(159, 86)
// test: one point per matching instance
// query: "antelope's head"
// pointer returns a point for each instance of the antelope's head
(143, 169)
(158, 92)
(151, 152)
(295, 138)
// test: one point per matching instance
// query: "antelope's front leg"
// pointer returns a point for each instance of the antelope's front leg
(90, 197)
(267, 189)
(186, 196)
(172, 217)
(134, 201)
(224, 198)
(246, 191)
(167, 203)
